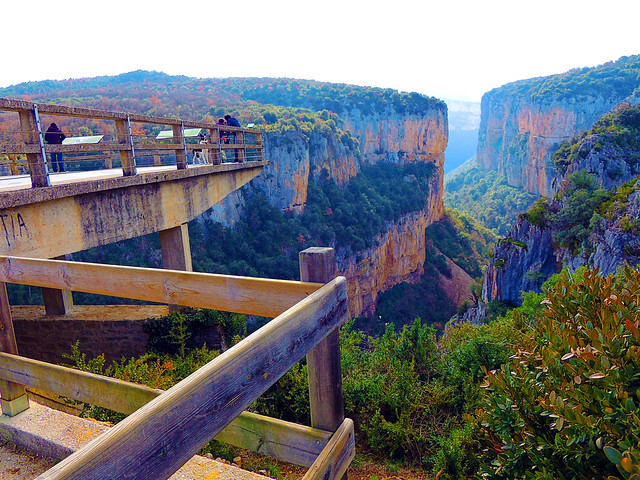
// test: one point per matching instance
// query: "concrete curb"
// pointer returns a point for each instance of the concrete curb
(56, 435)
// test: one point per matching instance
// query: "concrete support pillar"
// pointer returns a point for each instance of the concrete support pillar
(14, 397)
(176, 251)
(56, 301)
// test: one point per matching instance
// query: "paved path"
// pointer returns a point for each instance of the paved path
(18, 464)
(19, 182)
(49, 432)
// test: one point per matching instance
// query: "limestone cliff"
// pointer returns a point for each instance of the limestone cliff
(593, 221)
(398, 257)
(522, 123)
(518, 135)
(297, 158)
(389, 136)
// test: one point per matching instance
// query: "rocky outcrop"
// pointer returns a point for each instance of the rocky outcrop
(518, 135)
(522, 261)
(523, 122)
(296, 159)
(528, 257)
(397, 138)
(398, 257)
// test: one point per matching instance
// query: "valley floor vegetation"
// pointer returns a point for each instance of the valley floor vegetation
(548, 391)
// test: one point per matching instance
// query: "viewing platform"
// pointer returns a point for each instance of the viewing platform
(136, 175)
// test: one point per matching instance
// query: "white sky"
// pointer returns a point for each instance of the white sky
(455, 49)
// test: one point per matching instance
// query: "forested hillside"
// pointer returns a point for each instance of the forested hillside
(486, 196)
(155, 93)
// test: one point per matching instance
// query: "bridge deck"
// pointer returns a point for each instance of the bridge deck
(20, 182)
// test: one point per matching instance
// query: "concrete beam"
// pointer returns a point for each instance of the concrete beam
(53, 221)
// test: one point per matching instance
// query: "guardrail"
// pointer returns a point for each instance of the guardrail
(166, 428)
(123, 133)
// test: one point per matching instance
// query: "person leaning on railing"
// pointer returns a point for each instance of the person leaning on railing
(54, 136)
(231, 137)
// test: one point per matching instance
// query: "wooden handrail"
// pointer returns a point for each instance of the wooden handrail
(249, 430)
(336, 456)
(36, 150)
(158, 438)
(63, 110)
(248, 295)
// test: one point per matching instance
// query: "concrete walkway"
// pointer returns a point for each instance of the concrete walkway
(33, 441)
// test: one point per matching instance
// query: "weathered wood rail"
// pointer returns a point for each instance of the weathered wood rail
(166, 428)
(247, 141)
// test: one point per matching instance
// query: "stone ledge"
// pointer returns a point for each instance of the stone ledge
(55, 435)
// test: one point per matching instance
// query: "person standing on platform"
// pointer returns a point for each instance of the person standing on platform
(232, 122)
(54, 136)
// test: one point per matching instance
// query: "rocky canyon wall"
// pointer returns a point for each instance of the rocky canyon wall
(522, 123)
(518, 135)
(392, 137)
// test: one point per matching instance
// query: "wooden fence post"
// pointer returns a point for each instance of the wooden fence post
(317, 264)
(214, 139)
(241, 152)
(13, 164)
(176, 251)
(14, 397)
(181, 153)
(127, 157)
(55, 300)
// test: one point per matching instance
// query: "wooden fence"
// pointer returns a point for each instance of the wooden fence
(30, 143)
(166, 428)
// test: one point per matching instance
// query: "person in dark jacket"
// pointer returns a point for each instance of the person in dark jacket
(231, 138)
(54, 136)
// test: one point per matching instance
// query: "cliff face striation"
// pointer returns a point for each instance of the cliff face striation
(522, 123)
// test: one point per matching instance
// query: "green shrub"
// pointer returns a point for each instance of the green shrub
(176, 333)
(566, 405)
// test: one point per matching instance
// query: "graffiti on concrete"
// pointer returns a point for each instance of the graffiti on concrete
(13, 227)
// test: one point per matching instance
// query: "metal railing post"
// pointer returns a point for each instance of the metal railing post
(32, 135)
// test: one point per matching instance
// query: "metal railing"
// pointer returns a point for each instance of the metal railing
(126, 141)
(166, 428)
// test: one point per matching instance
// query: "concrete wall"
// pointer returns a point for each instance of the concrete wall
(115, 330)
